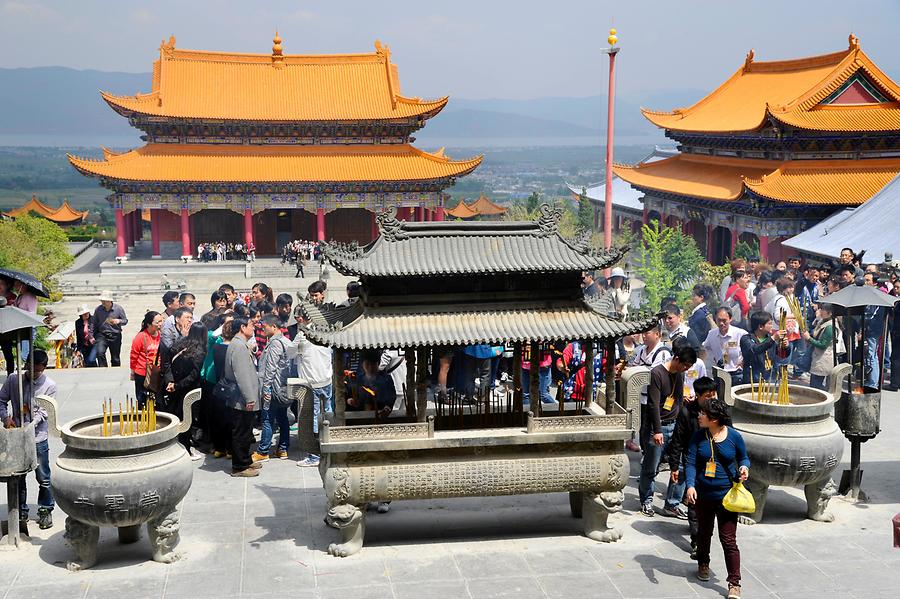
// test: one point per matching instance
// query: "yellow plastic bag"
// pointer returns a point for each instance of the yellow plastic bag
(739, 500)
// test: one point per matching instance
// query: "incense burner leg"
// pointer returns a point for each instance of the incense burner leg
(351, 521)
(129, 534)
(818, 495)
(575, 500)
(760, 491)
(82, 538)
(163, 533)
(596, 508)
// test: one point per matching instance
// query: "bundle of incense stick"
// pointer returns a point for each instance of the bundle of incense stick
(778, 393)
(797, 311)
(133, 420)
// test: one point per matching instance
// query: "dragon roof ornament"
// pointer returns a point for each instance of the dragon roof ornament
(388, 225)
(548, 222)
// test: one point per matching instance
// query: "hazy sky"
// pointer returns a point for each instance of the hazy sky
(465, 48)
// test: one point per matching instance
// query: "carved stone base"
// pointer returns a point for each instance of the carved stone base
(82, 538)
(817, 497)
(596, 508)
(163, 533)
(351, 521)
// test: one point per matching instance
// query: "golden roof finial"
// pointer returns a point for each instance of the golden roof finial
(749, 58)
(613, 38)
(854, 42)
(277, 56)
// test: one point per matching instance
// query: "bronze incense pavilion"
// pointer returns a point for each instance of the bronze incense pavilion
(433, 285)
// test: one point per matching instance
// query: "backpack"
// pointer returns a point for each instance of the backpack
(284, 367)
(733, 306)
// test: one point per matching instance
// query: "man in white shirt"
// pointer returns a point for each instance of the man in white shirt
(723, 345)
(314, 367)
(652, 353)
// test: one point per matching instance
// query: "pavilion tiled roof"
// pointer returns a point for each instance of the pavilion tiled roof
(791, 91)
(289, 163)
(362, 327)
(448, 247)
(822, 182)
(484, 207)
(462, 210)
(276, 87)
(63, 214)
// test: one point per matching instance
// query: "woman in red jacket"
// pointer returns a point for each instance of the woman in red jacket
(144, 352)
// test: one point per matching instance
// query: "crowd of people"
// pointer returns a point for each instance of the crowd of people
(219, 251)
(242, 349)
(299, 253)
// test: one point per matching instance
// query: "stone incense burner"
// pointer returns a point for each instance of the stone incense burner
(120, 481)
(797, 444)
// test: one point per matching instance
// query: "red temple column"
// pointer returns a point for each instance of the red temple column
(129, 231)
(320, 224)
(764, 248)
(374, 225)
(420, 214)
(439, 214)
(120, 234)
(686, 227)
(154, 232)
(710, 244)
(248, 226)
(734, 242)
(645, 217)
(185, 233)
(138, 224)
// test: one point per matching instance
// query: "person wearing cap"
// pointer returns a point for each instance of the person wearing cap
(106, 327)
(84, 339)
(618, 282)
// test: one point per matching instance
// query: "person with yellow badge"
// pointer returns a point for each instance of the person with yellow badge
(715, 457)
(664, 396)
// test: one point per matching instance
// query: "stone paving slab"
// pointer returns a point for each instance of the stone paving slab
(264, 536)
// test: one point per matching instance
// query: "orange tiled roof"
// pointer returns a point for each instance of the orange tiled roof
(837, 182)
(485, 207)
(828, 182)
(462, 210)
(223, 163)
(63, 214)
(790, 91)
(710, 177)
(275, 87)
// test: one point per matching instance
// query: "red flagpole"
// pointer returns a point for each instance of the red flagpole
(610, 112)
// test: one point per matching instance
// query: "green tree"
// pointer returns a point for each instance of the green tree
(585, 212)
(745, 250)
(36, 246)
(532, 202)
(668, 262)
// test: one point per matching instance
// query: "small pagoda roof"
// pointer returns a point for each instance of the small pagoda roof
(274, 87)
(290, 163)
(462, 210)
(358, 326)
(842, 91)
(813, 182)
(461, 248)
(484, 207)
(64, 214)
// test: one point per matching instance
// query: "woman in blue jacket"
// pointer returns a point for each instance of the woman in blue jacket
(716, 456)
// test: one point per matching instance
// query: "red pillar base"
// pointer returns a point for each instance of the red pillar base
(320, 224)
(764, 248)
(185, 235)
(121, 248)
(439, 214)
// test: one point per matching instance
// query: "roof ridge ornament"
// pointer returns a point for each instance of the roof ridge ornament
(388, 226)
(548, 222)
(277, 54)
(853, 42)
(749, 59)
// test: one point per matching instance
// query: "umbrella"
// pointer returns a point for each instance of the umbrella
(32, 283)
(16, 319)
(856, 296)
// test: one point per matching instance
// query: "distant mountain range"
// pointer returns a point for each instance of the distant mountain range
(62, 106)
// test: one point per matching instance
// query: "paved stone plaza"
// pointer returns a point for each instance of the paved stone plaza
(265, 536)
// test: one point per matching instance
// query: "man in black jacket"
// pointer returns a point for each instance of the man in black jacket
(685, 426)
(758, 348)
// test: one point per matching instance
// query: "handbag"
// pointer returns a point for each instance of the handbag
(227, 391)
(153, 377)
(738, 499)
